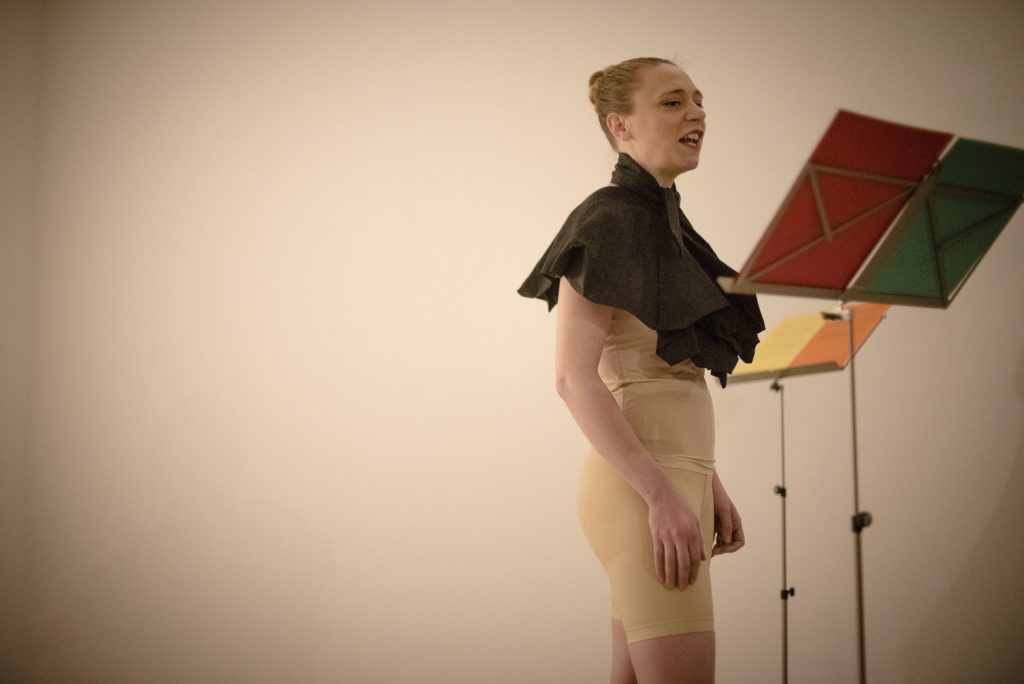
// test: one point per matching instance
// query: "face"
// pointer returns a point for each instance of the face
(666, 129)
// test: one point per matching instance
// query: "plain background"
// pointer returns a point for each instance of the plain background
(272, 411)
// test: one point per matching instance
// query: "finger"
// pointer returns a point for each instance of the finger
(721, 548)
(725, 525)
(682, 568)
(738, 538)
(672, 573)
(695, 553)
(659, 561)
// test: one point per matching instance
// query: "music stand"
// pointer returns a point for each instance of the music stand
(800, 345)
(878, 213)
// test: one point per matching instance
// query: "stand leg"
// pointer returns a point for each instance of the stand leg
(861, 519)
(781, 491)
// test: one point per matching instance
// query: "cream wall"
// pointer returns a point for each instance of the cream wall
(290, 422)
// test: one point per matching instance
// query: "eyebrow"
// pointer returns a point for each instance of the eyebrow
(697, 95)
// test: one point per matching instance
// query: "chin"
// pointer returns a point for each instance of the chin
(690, 166)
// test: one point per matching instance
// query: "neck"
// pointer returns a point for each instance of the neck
(664, 180)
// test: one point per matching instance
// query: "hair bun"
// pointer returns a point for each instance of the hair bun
(595, 84)
(611, 89)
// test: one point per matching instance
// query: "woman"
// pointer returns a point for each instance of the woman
(641, 320)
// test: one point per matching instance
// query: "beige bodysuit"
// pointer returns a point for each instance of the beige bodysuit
(670, 410)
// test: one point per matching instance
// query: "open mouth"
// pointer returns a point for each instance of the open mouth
(692, 138)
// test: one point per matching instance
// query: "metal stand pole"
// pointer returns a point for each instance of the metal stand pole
(787, 591)
(861, 519)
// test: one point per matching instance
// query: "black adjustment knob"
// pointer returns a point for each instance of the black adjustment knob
(861, 520)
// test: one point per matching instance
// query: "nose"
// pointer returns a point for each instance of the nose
(694, 112)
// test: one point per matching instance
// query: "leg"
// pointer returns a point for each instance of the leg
(675, 659)
(672, 631)
(622, 666)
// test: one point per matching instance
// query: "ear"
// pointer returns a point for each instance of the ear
(617, 125)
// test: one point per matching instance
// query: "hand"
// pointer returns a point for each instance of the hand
(728, 525)
(678, 546)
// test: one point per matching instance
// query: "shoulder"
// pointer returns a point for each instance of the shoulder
(609, 212)
(609, 200)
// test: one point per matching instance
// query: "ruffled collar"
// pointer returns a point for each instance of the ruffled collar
(616, 253)
(630, 175)
(635, 178)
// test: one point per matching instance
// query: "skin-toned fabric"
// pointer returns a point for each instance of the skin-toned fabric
(668, 407)
(670, 410)
(614, 520)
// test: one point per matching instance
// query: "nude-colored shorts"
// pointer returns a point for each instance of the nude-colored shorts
(615, 522)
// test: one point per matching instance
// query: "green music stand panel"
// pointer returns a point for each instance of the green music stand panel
(947, 228)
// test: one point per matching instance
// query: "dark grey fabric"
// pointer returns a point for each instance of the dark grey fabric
(630, 246)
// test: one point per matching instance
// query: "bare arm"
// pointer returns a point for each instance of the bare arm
(580, 330)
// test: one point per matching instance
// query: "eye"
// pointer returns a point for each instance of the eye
(672, 103)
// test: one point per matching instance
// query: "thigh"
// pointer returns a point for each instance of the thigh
(679, 659)
(614, 519)
(622, 664)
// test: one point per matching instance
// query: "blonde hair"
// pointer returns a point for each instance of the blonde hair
(612, 88)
